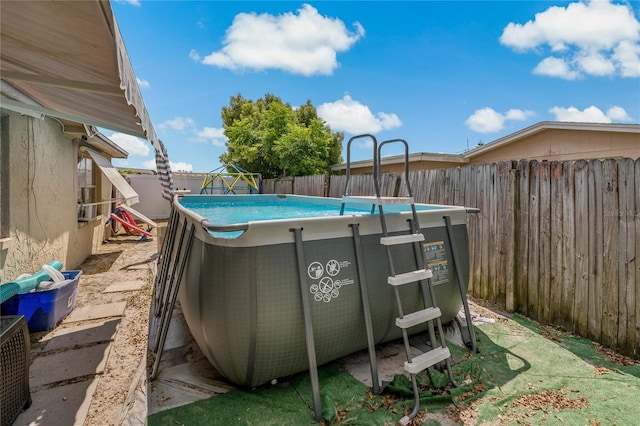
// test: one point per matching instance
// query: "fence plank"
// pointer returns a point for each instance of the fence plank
(596, 244)
(507, 194)
(473, 223)
(582, 176)
(556, 282)
(522, 242)
(610, 307)
(485, 230)
(544, 260)
(534, 239)
(636, 213)
(494, 252)
(568, 246)
(627, 252)
(337, 186)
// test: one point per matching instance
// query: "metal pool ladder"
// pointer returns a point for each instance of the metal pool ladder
(431, 313)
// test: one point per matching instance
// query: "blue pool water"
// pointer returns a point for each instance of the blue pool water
(242, 212)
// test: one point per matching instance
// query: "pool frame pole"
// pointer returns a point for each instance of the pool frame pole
(462, 284)
(311, 347)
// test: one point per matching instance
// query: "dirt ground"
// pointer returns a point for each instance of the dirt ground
(127, 259)
(120, 259)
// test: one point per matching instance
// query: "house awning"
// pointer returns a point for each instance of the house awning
(67, 59)
(116, 179)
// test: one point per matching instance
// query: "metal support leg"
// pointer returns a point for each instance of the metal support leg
(166, 293)
(364, 295)
(311, 347)
(172, 296)
(165, 261)
(462, 284)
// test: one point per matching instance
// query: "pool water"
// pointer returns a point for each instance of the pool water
(242, 212)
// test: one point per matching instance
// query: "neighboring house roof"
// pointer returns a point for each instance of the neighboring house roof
(547, 125)
(399, 159)
(468, 156)
(67, 59)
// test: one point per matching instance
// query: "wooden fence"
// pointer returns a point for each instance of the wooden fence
(555, 241)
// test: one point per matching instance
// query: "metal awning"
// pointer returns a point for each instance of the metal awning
(116, 179)
(67, 59)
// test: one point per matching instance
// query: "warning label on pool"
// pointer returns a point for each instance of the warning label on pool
(329, 284)
(437, 262)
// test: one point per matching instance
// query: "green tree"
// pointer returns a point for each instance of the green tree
(270, 137)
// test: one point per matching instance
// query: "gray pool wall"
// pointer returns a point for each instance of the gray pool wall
(241, 297)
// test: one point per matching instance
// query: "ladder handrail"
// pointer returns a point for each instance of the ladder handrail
(375, 163)
(406, 161)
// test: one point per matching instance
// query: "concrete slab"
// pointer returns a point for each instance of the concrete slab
(106, 310)
(81, 335)
(60, 405)
(66, 365)
(390, 359)
(186, 383)
(124, 286)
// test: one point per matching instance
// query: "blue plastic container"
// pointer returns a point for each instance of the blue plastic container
(44, 310)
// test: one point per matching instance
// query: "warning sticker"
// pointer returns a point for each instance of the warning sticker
(329, 283)
(437, 262)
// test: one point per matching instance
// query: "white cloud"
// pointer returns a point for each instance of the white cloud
(618, 114)
(305, 43)
(151, 164)
(178, 166)
(143, 83)
(214, 135)
(177, 123)
(352, 117)
(592, 37)
(555, 67)
(131, 144)
(590, 114)
(627, 54)
(181, 166)
(487, 120)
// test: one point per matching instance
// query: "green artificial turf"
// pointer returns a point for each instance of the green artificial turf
(518, 377)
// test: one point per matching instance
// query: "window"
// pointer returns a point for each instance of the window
(87, 192)
(91, 168)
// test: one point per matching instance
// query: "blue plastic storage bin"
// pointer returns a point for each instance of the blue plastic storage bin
(44, 310)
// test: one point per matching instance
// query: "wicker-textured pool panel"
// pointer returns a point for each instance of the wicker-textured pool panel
(243, 304)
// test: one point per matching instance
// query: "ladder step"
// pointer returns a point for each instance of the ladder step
(418, 317)
(410, 277)
(426, 360)
(402, 239)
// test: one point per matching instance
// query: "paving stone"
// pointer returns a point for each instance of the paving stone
(106, 310)
(67, 365)
(82, 335)
(60, 405)
(124, 286)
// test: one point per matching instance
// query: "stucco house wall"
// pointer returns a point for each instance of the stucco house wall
(39, 198)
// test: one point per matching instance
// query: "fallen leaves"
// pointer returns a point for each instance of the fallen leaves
(548, 400)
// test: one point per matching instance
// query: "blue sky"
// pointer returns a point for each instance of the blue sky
(442, 75)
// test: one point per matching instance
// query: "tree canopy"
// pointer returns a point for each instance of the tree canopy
(270, 137)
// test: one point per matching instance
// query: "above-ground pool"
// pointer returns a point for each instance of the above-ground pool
(241, 294)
